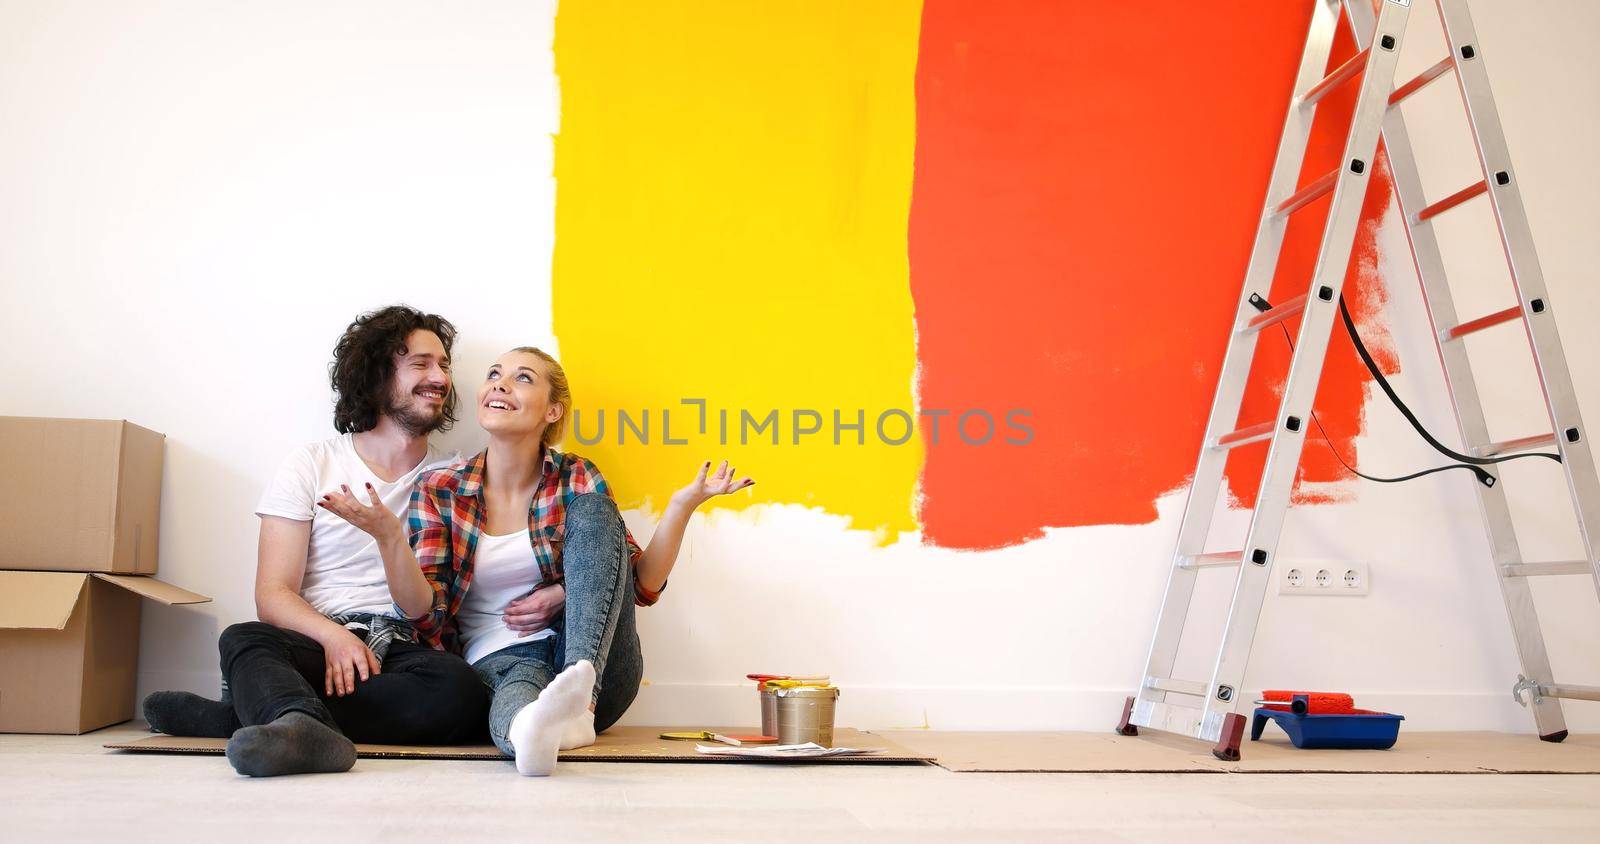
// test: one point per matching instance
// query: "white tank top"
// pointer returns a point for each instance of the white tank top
(503, 571)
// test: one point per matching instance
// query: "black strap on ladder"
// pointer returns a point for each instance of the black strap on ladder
(1467, 462)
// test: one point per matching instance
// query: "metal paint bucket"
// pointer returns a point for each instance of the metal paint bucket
(805, 713)
(769, 709)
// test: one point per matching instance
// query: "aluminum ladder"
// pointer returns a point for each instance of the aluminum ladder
(1210, 711)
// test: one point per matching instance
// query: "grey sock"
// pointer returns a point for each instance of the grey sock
(296, 743)
(188, 714)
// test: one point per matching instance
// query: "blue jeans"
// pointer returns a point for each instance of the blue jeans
(596, 624)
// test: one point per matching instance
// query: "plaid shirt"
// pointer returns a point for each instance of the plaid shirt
(447, 516)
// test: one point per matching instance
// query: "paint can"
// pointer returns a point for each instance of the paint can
(805, 713)
(769, 709)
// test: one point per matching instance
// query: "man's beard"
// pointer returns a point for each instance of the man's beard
(413, 419)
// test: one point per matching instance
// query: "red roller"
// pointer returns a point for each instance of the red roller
(1317, 703)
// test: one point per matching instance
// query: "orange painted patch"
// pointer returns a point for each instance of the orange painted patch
(1088, 181)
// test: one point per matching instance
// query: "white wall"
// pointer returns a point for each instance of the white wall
(195, 197)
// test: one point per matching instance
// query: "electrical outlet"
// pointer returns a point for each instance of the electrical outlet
(1354, 579)
(1324, 577)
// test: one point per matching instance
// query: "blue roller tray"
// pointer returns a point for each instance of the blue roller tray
(1371, 731)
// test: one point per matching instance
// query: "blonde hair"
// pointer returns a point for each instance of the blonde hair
(560, 393)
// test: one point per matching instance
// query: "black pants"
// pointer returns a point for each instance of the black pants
(422, 696)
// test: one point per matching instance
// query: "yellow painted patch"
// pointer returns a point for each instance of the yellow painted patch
(733, 181)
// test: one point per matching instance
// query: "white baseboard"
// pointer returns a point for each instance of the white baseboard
(1016, 708)
(1051, 708)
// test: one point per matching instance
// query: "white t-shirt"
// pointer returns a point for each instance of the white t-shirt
(344, 571)
(503, 570)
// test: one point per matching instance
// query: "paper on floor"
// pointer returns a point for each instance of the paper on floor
(809, 750)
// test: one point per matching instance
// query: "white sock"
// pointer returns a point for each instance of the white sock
(579, 732)
(537, 729)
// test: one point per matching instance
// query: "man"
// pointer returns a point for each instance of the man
(331, 660)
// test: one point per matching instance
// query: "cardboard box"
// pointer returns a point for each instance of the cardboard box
(69, 648)
(79, 495)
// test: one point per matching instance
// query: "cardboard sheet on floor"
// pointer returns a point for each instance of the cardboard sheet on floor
(1154, 752)
(619, 744)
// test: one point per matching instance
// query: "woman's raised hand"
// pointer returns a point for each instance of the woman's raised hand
(707, 485)
(374, 518)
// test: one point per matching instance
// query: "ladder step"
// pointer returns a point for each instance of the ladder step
(1308, 194)
(1182, 687)
(1171, 717)
(1346, 71)
(1539, 569)
(1452, 201)
(1482, 322)
(1214, 559)
(1519, 444)
(1275, 314)
(1245, 436)
(1444, 66)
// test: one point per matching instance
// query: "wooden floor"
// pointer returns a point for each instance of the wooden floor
(56, 788)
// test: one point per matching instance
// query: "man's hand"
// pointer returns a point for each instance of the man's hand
(373, 518)
(346, 658)
(535, 611)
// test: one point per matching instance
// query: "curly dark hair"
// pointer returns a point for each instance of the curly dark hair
(363, 365)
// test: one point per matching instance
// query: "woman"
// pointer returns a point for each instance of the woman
(519, 562)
